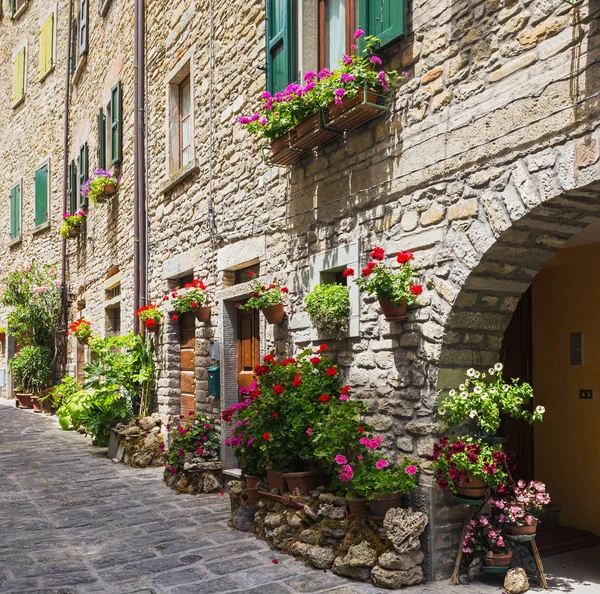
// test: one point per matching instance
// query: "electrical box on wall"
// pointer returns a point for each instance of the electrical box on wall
(215, 351)
(214, 381)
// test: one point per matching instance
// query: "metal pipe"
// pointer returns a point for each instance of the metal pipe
(63, 271)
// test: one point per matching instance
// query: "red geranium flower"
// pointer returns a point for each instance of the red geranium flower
(251, 273)
(193, 304)
(261, 370)
(175, 317)
(331, 371)
(345, 389)
(315, 360)
(322, 348)
(272, 286)
(324, 398)
(348, 272)
(266, 436)
(269, 359)
(278, 389)
(297, 381)
(288, 361)
(150, 324)
(404, 257)
(256, 294)
(285, 290)
(366, 271)
(378, 253)
(416, 289)
(361, 429)
(275, 415)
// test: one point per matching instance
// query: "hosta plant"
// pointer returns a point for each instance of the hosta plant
(485, 397)
(397, 285)
(328, 307)
(95, 187)
(72, 223)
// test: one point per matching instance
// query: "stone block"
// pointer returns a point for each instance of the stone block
(513, 66)
(463, 210)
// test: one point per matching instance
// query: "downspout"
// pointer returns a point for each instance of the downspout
(63, 270)
(139, 187)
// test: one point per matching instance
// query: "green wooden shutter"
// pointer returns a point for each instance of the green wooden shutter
(72, 187)
(384, 19)
(101, 139)
(83, 27)
(15, 212)
(83, 173)
(280, 44)
(41, 195)
(116, 124)
(13, 8)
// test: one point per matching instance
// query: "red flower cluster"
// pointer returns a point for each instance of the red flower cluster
(195, 284)
(285, 290)
(404, 257)
(145, 308)
(416, 289)
(345, 390)
(261, 370)
(297, 381)
(324, 398)
(278, 389)
(315, 360)
(75, 325)
(269, 359)
(288, 361)
(275, 415)
(266, 436)
(331, 371)
(322, 348)
(348, 272)
(368, 269)
(378, 253)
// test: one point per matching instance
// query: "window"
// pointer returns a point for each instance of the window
(383, 18)
(42, 194)
(116, 124)
(336, 28)
(19, 71)
(15, 213)
(17, 7)
(185, 122)
(281, 68)
(72, 187)
(113, 320)
(47, 46)
(101, 139)
(242, 274)
(83, 27)
(83, 172)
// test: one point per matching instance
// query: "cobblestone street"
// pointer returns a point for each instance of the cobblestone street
(73, 522)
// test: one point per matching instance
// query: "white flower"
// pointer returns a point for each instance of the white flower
(453, 393)
(461, 387)
(493, 390)
(477, 374)
(506, 387)
(491, 371)
(471, 372)
(498, 367)
(540, 410)
(473, 414)
(477, 390)
(464, 395)
(484, 396)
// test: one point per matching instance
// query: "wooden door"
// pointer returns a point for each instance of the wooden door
(248, 345)
(517, 357)
(187, 342)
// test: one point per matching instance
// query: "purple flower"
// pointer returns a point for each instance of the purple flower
(243, 121)
(347, 59)
(354, 46)
(266, 95)
(255, 117)
(358, 33)
(309, 76)
(309, 87)
(375, 60)
(325, 74)
(339, 93)
(346, 78)
(262, 121)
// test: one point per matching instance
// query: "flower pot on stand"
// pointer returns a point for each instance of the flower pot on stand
(251, 484)
(497, 559)
(391, 312)
(274, 313)
(471, 487)
(24, 400)
(304, 482)
(276, 480)
(202, 314)
(358, 506)
(382, 503)
(527, 530)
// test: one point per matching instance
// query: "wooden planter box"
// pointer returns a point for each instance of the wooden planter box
(351, 113)
(283, 151)
(313, 133)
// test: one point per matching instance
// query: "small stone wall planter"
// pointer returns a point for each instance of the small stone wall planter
(203, 477)
(138, 443)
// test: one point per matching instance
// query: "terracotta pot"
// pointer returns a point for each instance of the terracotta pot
(144, 327)
(391, 312)
(37, 405)
(274, 313)
(304, 482)
(381, 504)
(522, 530)
(474, 489)
(276, 480)
(358, 506)
(2, 336)
(251, 482)
(24, 400)
(498, 559)
(308, 125)
(202, 314)
(109, 189)
(80, 304)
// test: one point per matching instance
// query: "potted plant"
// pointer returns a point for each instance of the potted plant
(395, 289)
(2, 334)
(150, 316)
(486, 398)
(60, 394)
(469, 466)
(71, 224)
(521, 506)
(100, 186)
(81, 330)
(192, 298)
(267, 298)
(485, 535)
(328, 307)
(31, 369)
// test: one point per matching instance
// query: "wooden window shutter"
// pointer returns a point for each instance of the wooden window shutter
(15, 212)
(72, 187)
(280, 44)
(384, 19)
(116, 124)
(19, 76)
(47, 45)
(13, 8)
(41, 195)
(83, 27)
(83, 172)
(101, 139)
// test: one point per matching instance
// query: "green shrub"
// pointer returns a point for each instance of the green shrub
(31, 368)
(328, 307)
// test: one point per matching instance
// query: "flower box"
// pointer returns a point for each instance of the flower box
(366, 105)
(283, 151)
(313, 133)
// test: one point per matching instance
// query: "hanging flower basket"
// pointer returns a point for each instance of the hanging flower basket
(71, 225)
(274, 313)
(202, 314)
(367, 104)
(100, 186)
(393, 313)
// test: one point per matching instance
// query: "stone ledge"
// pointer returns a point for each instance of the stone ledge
(15, 242)
(179, 176)
(41, 228)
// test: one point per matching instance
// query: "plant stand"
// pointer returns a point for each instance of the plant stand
(530, 540)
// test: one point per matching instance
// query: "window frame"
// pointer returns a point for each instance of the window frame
(46, 223)
(83, 168)
(73, 187)
(287, 36)
(17, 238)
(116, 123)
(185, 82)
(16, 12)
(351, 14)
(54, 14)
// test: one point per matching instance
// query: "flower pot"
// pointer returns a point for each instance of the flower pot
(251, 482)
(471, 488)
(274, 313)
(83, 340)
(354, 112)
(144, 327)
(24, 400)
(80, 304)
(304, 482)
(391, 312)
(109, 189)
(202, 314)
(73, 232)
(2, 336)
(37, 405)
(358, 506)
(497, 559)
(276, 480)
(381, 504)
(527, 530)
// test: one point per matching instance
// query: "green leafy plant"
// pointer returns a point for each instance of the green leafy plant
(81, 329)
(150, 316)
(195, 436)
(31, 368)
(2, 329)
(264, 296)
(95, 187)
(190, 298)
(71, 224)
(484, 398)
(62, 393)
(398, 286)
(328, 307)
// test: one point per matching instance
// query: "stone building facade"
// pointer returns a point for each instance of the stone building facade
(486, 164)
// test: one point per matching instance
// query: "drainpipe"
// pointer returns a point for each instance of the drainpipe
(139, 187)
(63, 270)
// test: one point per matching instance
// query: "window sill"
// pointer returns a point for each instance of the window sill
(41, 228)
(79, 69)
(46, 74)
(21, 10)
(179, 176)
(104, 8)
(18, 102)
(15, 242)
